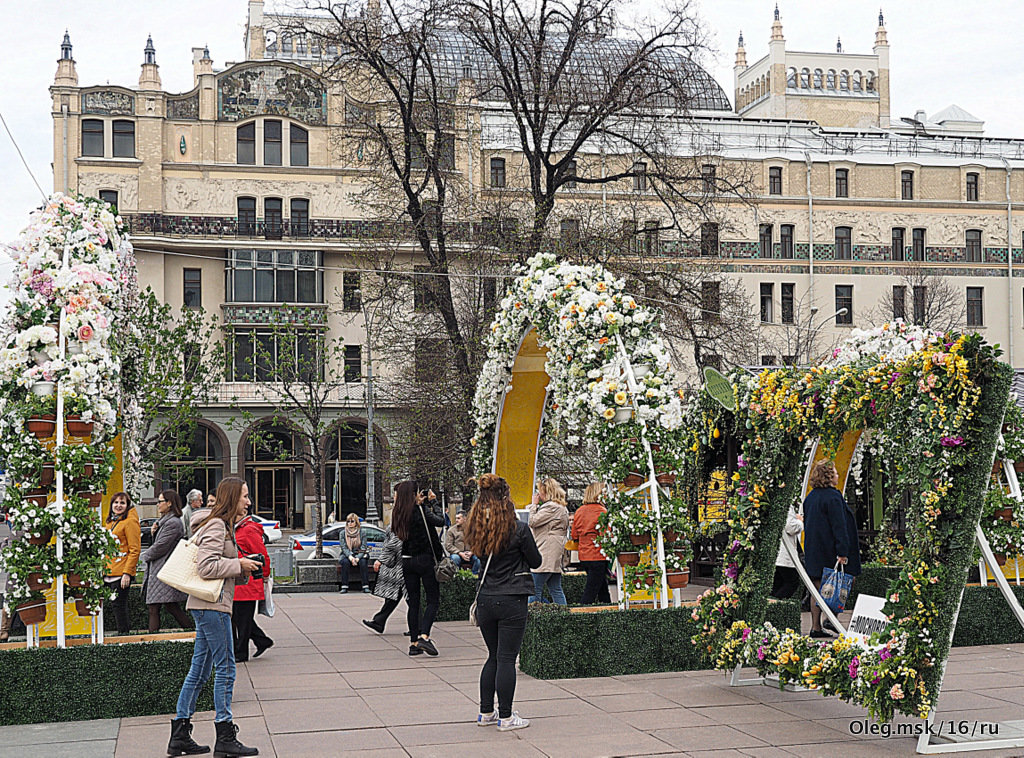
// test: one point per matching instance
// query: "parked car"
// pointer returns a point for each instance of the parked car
(146, 525)
(271, 529)
(304, 545)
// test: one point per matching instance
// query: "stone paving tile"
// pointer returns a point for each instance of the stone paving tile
(783, 733)
(76, 749)
(766, 752)
(595, 744)
(731, 753)
(665, 719)
(360, 680)
(744, 714)
(695, 695)
(454, 733)
(628, 702)
(510, 747)
(65, 731)
(403, 708)
(713, 737)
(333, 743)
(600, 686)
(319, 715)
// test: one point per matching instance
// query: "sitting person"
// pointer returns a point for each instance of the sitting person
(455, 546)
(354, 552)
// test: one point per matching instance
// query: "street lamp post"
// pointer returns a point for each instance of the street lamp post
(812, 333)
(371, 474)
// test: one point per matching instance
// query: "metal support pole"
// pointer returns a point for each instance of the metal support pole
(371, 473)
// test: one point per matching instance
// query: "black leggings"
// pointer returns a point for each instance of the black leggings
(119, 603)
(245, 629)
(597, 582)
(502, 623)
(416, 569)
(380, 618)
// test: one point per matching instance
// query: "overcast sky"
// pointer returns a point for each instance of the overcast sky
(942, 52)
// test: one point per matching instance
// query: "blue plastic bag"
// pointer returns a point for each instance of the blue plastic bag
(835, 587)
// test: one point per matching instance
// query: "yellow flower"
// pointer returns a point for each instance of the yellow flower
(609, 413)
(620, 398)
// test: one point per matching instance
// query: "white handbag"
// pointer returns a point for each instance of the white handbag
(181, 572)
(265, 607)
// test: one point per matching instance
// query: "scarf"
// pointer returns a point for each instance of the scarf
(352, 537)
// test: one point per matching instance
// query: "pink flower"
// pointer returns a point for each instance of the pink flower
(854, 666)
(760, 653)
(896, 692)
(84, 333)
(885, 655)
(746, 633)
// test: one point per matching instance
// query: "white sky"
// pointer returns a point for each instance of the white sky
(941, 52)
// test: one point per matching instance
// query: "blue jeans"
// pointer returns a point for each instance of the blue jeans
(553, 581)
(215, 649)
(474, 562)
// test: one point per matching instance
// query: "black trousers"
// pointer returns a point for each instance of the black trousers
(119, 604)
(245, 628)
(420, 568)
(380, 618)
(786, 582)
(596, 589)
(502, 621)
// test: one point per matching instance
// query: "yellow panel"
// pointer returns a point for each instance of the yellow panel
(515, 455)
(843, 459)
(73, 623)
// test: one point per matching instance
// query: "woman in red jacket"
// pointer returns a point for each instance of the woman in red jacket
(249, 536)
(593, 561)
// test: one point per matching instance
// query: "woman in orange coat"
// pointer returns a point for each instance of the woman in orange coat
(249, 537)
(123, 523)
(593, 561)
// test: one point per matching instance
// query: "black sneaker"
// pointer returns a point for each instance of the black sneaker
(260, 650)
(427, 646)
(414, 650)
(373, 626)
(819, 634)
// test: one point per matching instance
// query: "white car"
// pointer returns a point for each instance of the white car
(271, 529)
(304, 545)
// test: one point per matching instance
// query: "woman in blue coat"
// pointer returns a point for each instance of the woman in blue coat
(830, 533)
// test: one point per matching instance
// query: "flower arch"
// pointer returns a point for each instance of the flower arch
(932, 406)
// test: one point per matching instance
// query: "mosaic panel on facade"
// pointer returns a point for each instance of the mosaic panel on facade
(274, 314)
(271, 91)
(183, 108)
(107, 102)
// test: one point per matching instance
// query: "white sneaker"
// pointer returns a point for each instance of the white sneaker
(515, 721)
(486, 719)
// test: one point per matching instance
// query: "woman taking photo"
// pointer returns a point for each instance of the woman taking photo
(123, 523)
(549, 522)
(249, 538)
(167, 533)
(354, 553)
(415, 521)
(584, 531)
(509, 552)
(214, 532)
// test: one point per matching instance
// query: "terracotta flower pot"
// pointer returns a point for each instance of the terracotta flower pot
(82, 609)
(1000, 559)
(681, 555)
(629, 559)
(640, 539)
(677, 579)
(95, 499)
(1006, 514)
(633, 480)
(1018, 466)
(43, 538)
(666, 479)
(77, 427)
(73, 580)
(669, 536)
(32, 612)
(36, 496)
(43, 427)
(38, 583)
(47, 472)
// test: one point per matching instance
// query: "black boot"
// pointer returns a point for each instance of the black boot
(181, 740)
(227, 742)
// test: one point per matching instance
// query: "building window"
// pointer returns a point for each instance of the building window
(247, 215)
(972, 188)
(109, 196)
(899, 302)
(768, 360)
(907, 185)
(651, 231)
(842, 182)
(429, 359)
(299, 146)
(273, 356)
(124, 139)
(200, 468)
(193, 289)
(764, 241)
(844, 300)
(767, 301)
(788, 303)
(245, 144)
(844, 243)
(639, 176)
(570, 175)
(351, 294)
(300, 217)
(273, 216)
(786, 240)
(920, 303)
(898, 242)
(708, 175)
(973, 246)
(710, 301)
(497, 172)
(569, 231)
(830, 78)
(709, 238)
(975, 306)
(818, 78)
(92, 137)
(630, 243)
(445, 148)
(774, 180)
(422, 289)
(353, 363)
(281, 276)
(271, 143)
(917, 244)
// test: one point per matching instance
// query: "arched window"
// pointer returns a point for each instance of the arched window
(286, 44)
(791, 78)
(273, 471)
(857, 84)
(872, 82)
(844, 80)
(830, 80)
(200, 468)
(346, 470)
(844, 243)
(818, 76)
(757, 90)
(247, 220)
(805, 79)
(271, 42)
(298, 146)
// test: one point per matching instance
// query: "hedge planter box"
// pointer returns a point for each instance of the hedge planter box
(457, 595)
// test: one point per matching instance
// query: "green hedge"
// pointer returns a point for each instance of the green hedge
(560, 644)
(457, 595)
(138, 614)
(94, 682)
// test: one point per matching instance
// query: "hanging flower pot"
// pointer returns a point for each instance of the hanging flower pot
(633, 480)
(666, 480)
(36, 496)
(79, 428)
(640, 539)
(44, 537)
(1018, 466)
(46, 474)
(676, 580)
(629, 559)
(641, 371)
(669, 536)
(95, 499)
(1006, 514)
(1000, 558)
(38, 583)
(73, 580)
(622, 415)
(32, 612)
(42, 426)
(82, 609)
(44, 389)
(681, 555)
(88, 469)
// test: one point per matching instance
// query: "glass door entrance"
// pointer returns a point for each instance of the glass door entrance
(271, 492)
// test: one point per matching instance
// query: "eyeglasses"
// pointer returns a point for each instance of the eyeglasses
(160, 500)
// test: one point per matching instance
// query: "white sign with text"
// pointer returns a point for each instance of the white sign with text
(867, 618)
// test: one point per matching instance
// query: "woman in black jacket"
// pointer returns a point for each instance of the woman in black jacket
(507, 546)
(414, 520)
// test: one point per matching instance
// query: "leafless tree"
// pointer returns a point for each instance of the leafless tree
(923, 298)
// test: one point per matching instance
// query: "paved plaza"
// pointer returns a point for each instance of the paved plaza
(329, 687)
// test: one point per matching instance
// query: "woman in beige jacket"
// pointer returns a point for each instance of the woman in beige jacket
(213, 530)
(549, 522)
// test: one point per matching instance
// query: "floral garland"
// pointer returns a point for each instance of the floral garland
(919, 392)
(72, 258)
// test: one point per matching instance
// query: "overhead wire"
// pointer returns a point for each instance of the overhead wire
(21, 155)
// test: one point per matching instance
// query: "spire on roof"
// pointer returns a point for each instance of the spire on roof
(839, 45)
(881, 18)
(741, 38)
(65, 47)
(206, 53)
(149, 52)
(776, 11)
